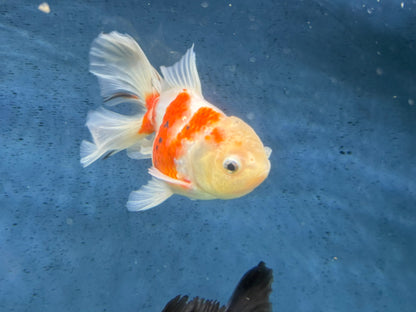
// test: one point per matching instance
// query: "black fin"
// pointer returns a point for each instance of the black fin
(253, 290)
(109, 154)
(181, 304)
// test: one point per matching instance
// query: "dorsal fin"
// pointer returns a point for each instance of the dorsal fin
(183, 74)
(181, 304)
(253, 291)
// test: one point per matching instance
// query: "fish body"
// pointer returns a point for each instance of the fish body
(196, 150)
(251, 295)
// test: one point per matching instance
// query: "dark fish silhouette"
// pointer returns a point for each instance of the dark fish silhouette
(250, 295)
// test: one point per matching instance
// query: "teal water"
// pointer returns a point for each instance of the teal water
(330, 86)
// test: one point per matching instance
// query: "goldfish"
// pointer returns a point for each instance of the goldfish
(251, 295)
(196, 149)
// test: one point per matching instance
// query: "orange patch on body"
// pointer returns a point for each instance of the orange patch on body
(217, 135)
(148, 119)
(169, 146)
(165, 146)
(205, 116)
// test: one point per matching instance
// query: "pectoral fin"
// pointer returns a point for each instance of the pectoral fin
(148, 196)
(163, 177)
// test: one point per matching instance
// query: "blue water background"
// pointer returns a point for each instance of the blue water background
(330, 86)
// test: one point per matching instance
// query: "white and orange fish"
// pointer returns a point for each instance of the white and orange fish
(196, 150)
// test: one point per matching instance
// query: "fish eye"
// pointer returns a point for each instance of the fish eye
(231, 165)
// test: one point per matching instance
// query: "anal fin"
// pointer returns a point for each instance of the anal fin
(142, 149)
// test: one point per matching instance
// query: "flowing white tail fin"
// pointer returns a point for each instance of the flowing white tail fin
(111, 133)
(125, 75)
(122, 68)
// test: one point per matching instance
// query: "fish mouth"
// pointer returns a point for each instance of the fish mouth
(268, 151)
(266, 170)
(261, 176)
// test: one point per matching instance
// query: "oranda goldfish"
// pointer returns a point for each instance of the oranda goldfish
(196, 150)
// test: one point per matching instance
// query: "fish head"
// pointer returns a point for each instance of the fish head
(231, 160)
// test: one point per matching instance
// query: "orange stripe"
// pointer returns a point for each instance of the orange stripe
(204, 117)
(148, 118)
(167, 147)
(164, 148)
(217, 135)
